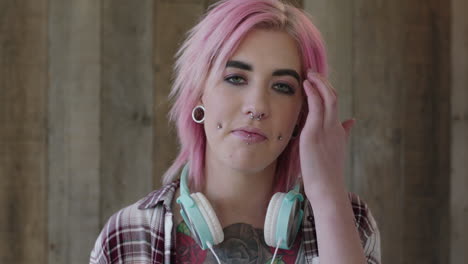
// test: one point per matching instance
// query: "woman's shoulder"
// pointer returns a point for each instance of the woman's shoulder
(144, 209)
(365, 221)
(133, 226)
(367, 228)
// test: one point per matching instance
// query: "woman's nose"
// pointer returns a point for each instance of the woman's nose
(256, 104)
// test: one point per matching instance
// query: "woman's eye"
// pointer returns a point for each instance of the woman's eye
(283, 88)
(236, 80)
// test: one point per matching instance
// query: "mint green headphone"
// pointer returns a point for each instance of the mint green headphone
(282, 221)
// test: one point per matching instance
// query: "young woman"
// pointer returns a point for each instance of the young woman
(262, 153)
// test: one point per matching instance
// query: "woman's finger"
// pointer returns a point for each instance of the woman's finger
(316, 107)
(329, 98)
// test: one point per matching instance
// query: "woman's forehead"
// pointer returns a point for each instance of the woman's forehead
(268, 47)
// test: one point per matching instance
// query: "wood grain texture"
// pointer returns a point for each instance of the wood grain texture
(459, 142)
(172, 21)
(73, 117)
(426, 130)
(377, 96)
(363, 51)
(23, 142)
(336, 30)
(127, 85)
(399, 78)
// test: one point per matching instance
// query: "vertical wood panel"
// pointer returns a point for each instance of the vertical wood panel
(23, 148)
(399, 78)
(377, 89)
(172, 20)
(459, 125)
(73, 129)
(336, 30)
(426, 91)
(127, 101)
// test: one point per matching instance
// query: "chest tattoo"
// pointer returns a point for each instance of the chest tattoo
(242, 244)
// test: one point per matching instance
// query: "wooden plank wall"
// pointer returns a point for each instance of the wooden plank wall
(84, 129)
(459, 126)
(23, 134)
(73, 129)
(390, 63)
(337, 32)
(126, 103)
(172, 20)
(361, 95)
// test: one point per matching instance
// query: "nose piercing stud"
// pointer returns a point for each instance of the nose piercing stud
(259, 117)
(219, 126)
(280, 138)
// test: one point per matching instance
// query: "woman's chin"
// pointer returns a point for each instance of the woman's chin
(248, 166)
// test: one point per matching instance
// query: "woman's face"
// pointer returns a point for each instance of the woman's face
(262, 78)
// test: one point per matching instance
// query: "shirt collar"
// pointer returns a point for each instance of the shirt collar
(163, 195)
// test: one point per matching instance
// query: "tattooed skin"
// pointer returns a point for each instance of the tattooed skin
(242, 244)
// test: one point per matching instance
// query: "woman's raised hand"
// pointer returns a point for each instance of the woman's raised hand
(324, 138)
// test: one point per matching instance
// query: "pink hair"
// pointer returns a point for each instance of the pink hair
(206, 50)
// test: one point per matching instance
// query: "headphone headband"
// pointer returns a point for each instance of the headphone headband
(282, 221)
(183, 181)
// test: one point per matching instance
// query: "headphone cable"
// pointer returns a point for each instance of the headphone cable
(211, 248)
(276, 251)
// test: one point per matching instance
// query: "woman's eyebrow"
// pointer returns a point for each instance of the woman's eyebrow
(289, 72)
(239, 64)
(281, 72)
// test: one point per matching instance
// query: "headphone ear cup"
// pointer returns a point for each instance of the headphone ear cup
(210, 217)
(271, 219)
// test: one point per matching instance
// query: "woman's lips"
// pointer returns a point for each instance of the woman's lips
(248, 137)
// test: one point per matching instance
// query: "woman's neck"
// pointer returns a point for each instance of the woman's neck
(238, 196)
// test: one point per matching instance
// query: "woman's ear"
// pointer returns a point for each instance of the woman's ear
(200, 100)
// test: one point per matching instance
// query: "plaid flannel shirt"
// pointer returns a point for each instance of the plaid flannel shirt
(143, 232)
